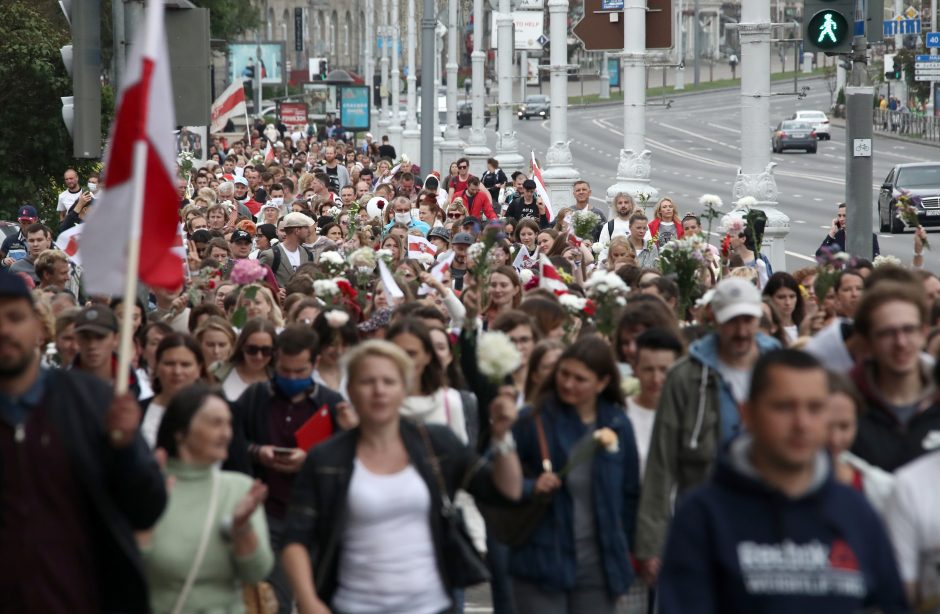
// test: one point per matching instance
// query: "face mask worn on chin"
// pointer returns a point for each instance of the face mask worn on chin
(403, 218)
(291, 387)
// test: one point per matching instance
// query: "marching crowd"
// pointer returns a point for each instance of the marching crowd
(381, 385)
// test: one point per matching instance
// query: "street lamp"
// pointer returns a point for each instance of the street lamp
(559, 174)
(394, 128)
(411, 137)
(383, 89)
(451, 147)
(507, 150)
(477, 151)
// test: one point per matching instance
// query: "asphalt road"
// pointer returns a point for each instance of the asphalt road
(696, 150)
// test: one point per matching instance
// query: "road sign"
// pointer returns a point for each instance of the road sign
(901, 26)
(828, 25)
(543, 40)
(927, 58)
(911, 12)
(933, 39)
(601, 27)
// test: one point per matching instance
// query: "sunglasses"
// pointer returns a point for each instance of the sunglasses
(461, 168)
(455, 216)
(264, 350)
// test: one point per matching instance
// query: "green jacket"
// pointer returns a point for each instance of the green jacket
(687, 436)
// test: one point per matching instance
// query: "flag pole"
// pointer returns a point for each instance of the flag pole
(126, 344)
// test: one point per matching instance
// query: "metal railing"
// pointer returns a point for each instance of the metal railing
(909, 124)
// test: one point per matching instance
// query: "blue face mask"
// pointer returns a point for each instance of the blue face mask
(292, 387)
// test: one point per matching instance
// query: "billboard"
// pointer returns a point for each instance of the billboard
(527, 26)
(321, 97)
(242, 62)
(354, 107)
(293, 114)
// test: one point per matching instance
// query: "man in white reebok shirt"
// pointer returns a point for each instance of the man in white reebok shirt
(70, 195)
(656, 351)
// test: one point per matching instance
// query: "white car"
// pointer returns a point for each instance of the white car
(819, 119)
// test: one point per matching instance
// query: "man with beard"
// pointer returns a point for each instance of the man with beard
(76, 479)
(698, 411)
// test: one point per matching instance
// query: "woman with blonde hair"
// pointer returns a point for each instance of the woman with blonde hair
(456, 211)
(262, 305)
(619, 253)
(666, 224)
(217, 339)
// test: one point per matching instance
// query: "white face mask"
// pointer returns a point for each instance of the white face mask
(92, 187)
(277, 201)
(403, 218)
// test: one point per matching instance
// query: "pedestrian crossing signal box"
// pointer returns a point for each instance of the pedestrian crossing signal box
(828, 25)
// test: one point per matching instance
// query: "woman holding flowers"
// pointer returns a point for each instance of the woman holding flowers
(666, 224)
(577, 557)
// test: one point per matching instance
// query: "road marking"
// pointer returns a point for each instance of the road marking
(800, 256)
(720, 127)
(799, 221)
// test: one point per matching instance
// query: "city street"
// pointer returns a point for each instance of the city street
(696, 150)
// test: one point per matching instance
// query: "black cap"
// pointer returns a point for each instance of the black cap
(97, 319)
(14, 286)
(463, 238)
(241, 235)
(528, 184)
(469, 220)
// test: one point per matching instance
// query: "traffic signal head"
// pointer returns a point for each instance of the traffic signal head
(828, 25)
(892, 68)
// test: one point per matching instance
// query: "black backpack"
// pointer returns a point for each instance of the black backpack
(277, 256)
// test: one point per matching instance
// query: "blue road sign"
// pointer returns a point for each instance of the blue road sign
(901, 26)
(933, 39)
(542, 40)
(860, 28)
(926, 58)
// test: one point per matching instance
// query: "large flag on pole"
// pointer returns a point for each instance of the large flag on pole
(138, 202)
(230, 104)
(540, 189)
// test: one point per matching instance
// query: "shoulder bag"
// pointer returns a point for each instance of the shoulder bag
(203, 545)
(513, 525)
(462, 562)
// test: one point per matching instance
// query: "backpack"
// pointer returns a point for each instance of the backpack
(600, 227)
(277, 257)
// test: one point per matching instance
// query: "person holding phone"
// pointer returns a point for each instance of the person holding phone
(834, 241)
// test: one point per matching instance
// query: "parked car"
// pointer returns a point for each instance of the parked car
(535, 106)
(819, 120)
(794, 134)
(920, 180)
(465, 115)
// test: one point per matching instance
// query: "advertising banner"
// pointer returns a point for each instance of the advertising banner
(354, 107)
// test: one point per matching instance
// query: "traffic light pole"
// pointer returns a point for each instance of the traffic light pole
(859, 100)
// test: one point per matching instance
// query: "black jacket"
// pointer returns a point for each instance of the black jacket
(317, 513)
(250, 424)
(124, 487)
(519, 209)
(837, 244)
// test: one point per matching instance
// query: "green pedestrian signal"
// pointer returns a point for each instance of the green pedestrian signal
(828, 25)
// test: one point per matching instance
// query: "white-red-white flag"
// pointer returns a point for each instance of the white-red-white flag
(268, 153)
(550, 278)
(230, 104)
(540, 189)
(69, 241)
(419, 245)
(144, 115)
(437, 272)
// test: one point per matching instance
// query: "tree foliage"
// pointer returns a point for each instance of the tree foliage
(229, 19)
(35, 146)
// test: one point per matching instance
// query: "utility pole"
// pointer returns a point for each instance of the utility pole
(559, 175)
(859, 99)
(697, 39)
(507, 149)
(755, 176)
(428, 85)
(117, 18)
(394, 42)
(451, 147)
(477, 151)
(411, 137)
(633, 170)
(383, 90)
(369, 63)
(605, 78)
(680, 49)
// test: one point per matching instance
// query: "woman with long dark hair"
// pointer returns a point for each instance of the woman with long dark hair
(784, 291)
(179, 363)
(251, 358)
(577, 558)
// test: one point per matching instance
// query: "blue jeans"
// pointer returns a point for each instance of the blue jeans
(277, 579)
(497, 558)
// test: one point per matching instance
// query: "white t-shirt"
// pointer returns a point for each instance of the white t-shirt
(914, 524)
(642, 419)
(67, 199)
(151, 423)
(738, 379)
(621, 229)
(292, 256)
(388, 563)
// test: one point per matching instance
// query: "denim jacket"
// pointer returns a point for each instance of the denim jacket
(549, 557)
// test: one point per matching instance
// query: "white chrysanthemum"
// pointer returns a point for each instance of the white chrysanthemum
(572, 302)
(745, 202)
(336, 318)
(325, 287)
(384, 254)
(602, 282)
(598, 247)
(525, 276)
(706, 298)
(363, 257)
(886, 260)
(332, 258)
(710, 200)
(497, 356)
(335, 212)
(425, 259)
(474, 251)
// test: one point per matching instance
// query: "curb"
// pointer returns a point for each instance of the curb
(891, 135)
(683, 94)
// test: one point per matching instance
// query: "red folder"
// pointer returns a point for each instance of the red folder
(317, 428)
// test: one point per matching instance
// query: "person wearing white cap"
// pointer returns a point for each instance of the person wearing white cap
(698, 411)
(286, 256)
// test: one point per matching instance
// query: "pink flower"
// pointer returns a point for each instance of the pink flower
(247, 271)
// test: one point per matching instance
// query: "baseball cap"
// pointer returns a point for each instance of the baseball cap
(96, 319)
(462, 238)
(13, 286)
(735, 297)
(28, 211)
(469, 220)
(241, 180)
(528, 184)
(440, 232)
(295, 219)
(241, 235)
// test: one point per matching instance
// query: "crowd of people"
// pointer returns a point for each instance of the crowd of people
(380, 386)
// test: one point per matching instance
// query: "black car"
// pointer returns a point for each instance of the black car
(465, 115)
(794, 134)
(535, 106)
(919, 180)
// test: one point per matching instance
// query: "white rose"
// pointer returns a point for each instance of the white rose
(325, 287)
(497, 356)
(336, 318)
